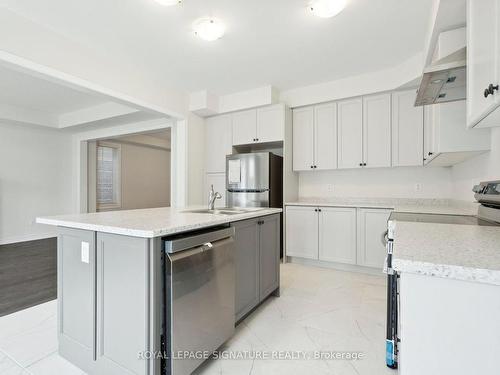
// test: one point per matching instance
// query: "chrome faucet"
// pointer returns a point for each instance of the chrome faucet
(212, 196)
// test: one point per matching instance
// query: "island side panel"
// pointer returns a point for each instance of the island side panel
(448, 326)
(122, 304)
(76, 296)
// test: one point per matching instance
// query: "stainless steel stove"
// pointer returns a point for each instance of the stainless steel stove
(487, 193)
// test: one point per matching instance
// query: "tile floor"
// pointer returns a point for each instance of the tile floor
(320, 310)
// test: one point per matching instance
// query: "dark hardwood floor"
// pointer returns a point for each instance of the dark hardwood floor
(28, 274)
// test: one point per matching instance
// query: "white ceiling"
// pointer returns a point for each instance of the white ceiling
(267, 42)
(29, 92)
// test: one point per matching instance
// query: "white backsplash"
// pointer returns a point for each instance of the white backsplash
(433, 182)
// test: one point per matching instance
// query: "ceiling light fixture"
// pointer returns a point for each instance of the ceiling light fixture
(209, 29)
(327, 8)
(168, 3)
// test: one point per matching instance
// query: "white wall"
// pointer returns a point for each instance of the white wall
(195, 159)
(377, 183)
(35, 180)
(483, 167)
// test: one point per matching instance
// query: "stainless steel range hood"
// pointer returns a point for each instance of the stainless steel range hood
(444, 80)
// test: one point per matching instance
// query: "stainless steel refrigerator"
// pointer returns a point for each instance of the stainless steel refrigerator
(254, 180)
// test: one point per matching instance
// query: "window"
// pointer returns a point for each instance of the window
(108, 176)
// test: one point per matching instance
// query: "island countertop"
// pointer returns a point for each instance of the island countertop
(462, 252)
(151, 222)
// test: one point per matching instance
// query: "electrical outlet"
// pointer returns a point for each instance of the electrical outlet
(330, 188)
(85, 252)
(418, 187)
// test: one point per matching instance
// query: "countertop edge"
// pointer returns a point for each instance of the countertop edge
(448, 271)
(155, 232)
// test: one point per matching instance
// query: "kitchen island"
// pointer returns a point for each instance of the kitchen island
(113, 283)
(449, 297)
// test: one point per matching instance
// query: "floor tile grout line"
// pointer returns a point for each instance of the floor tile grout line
(41, 359)
(15, 361)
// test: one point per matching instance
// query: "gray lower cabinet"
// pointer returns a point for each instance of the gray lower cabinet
(76, 295)
(257, 246)
(122, 304)
(104, 302)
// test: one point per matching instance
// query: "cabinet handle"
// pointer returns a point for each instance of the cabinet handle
(490, 90)
(315, 210)
(360, 164)
(364, 164)
(319, 209)
(315, 166)
(430, 153)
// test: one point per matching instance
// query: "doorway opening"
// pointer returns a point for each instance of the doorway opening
(131, 171)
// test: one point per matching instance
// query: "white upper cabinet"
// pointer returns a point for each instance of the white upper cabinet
(337, 234)
(270, 123)
(260, 125)
(218, 143)
(325, 136)
(315, 137)
(350, 133)
(483, 62)
(303, 139)
(448, 141)
(244, 127)
(377, 131)
(407, 130)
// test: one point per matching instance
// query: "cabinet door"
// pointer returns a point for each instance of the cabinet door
(430, 132)
(218, 180)
(372, 223)
(303, 139)
(218, 143)
(325, 136)
(377, 131)
(269, 254)
(337, 234)
(350, 133)
(244, 127)
(76, 294)
(482, 56)
(407, 130)
(122, 303)
(302, 232)
(270, 123)
(246, 242)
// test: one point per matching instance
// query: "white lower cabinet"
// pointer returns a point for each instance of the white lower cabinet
(302, 232)
(345, 235)
(372, 223)
(337, 234)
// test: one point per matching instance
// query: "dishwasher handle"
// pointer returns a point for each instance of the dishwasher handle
(198, 239)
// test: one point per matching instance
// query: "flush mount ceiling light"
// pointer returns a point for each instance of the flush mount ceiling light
(327, 8)
(209, 29)
(168, 3)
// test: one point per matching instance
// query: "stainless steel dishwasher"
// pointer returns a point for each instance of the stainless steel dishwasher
(199, 307)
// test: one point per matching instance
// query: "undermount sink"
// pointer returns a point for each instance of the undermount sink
(221, 211)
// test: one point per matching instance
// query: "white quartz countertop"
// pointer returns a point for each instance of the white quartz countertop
(462, 252)
(152, 222)
(430, 206)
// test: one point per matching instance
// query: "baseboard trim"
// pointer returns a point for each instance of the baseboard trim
(335, 266)
(25, 238)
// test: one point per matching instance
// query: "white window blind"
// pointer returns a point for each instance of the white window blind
(108, 176)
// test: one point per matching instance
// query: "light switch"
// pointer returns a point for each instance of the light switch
(85, 252)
